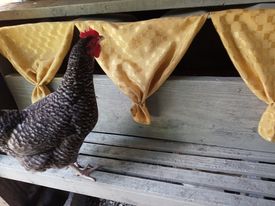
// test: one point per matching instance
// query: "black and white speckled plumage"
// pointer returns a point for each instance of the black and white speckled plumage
(49, 133)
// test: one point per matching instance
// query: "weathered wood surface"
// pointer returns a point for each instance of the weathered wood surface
(170, 162)
(179, 147)
(147, 184)
(196, 178)
(177, 165)
(145, 177)
(182, 161)
(3, 203)
(51, 8)
(204, 110)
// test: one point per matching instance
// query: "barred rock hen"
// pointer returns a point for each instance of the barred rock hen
(49, 133)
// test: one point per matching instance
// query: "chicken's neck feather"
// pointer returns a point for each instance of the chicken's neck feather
(80, 69)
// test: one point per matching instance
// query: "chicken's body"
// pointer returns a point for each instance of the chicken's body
(49, 133)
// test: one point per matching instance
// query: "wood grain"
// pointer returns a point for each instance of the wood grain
(3, 203)
(203, 110)
(189, 155)
(51, 8)
(122, 188)
(193, 178)
(178, 147)
(181, 161)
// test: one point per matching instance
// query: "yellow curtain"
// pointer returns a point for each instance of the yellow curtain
(140, 56)
(36, 51)
(137, 56)
(249, 38)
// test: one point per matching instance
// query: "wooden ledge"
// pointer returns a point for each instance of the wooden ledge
(49, 8)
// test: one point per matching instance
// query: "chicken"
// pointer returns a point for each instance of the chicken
(50, 132)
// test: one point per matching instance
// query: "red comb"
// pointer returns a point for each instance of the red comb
(93, 45)
(88, 32)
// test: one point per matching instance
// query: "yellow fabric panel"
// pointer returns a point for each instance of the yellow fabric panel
(249, 38)
(37, 51)
(140, 56)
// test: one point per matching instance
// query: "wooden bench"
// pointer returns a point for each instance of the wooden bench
(202, 148)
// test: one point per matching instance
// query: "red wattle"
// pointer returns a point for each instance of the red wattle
(97, 50)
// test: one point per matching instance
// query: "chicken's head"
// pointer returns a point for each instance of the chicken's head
(93, 46)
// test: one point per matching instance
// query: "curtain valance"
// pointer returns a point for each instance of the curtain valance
(249, 38)
(140, 56)
(36, 51)
(137, 56)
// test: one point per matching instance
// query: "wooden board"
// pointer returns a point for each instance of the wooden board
(133, 190)
(204, 110)
(206, 180)
(178, 147)
(51, 8)
(182, 161)
(144, 177)
(3, 203)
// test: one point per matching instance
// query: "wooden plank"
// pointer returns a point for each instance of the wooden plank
(178, 147)
(181, 161)
(51, 8)
(214, 111)
(176, 175)
(20, 89)
(132, 190)
(2, 202)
